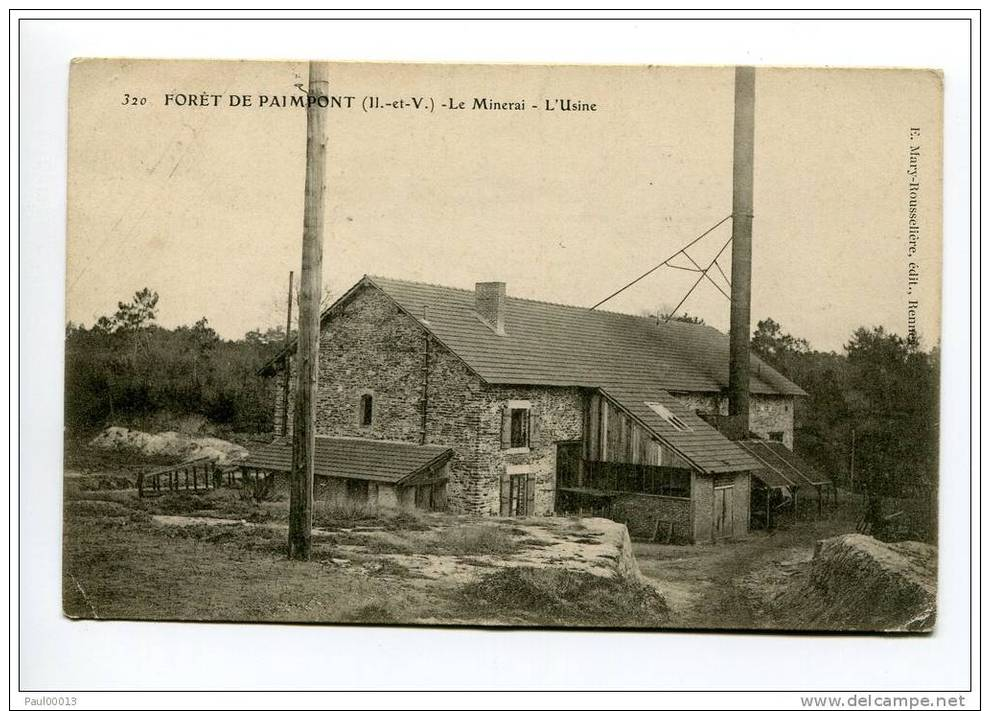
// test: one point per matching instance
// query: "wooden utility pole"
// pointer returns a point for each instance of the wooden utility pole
(286, 377)
(742, 250)
(308, 349)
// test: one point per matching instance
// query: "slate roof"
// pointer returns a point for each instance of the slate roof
(701, 444)
(632, 359)
(780, 467)
(382, 461)
(553, 344)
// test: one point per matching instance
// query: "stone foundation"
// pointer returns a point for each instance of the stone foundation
(640, 513)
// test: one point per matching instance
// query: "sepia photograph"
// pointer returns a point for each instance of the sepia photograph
(503, 345)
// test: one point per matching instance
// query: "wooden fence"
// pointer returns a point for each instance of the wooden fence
(196, 475)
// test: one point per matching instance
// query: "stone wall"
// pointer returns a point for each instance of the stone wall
(640, 513)
(703, 502)
(767, 413)
(370, 347)
(333, 490)
(559, 414)
(741, 487)
(702, 494)
(277, 400)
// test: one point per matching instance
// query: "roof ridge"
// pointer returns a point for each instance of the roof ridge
(383, 441)
(624, 314)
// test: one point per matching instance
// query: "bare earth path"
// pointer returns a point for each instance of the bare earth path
(728, 585)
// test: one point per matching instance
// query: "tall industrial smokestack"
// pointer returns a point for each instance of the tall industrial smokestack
(742, 250)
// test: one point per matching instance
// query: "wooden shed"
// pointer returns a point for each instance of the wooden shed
(649, 462)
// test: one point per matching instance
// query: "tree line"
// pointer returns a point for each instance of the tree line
(127, 369)
(870, 420)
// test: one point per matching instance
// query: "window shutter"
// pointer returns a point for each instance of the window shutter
(504, 497)
(534, 427)
(506, 427)
(531, 495)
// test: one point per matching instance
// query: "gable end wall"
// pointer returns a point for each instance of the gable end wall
(767, 413)
(369, 346)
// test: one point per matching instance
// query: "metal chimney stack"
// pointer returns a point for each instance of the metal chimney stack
(742, 251)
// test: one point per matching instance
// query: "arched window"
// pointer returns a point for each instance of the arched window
(367, 409)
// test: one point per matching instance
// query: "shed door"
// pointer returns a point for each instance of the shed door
(722, 516)
(518, 495)
(568, 464)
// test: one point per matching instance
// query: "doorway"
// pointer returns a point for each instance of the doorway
(723, 512)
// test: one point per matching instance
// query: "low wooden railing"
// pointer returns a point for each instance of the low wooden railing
(195, 475)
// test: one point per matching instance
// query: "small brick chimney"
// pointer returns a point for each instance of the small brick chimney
(489, 302)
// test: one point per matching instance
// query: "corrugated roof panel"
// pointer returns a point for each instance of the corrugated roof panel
(783, 463)
(792, 462)
(771, 473)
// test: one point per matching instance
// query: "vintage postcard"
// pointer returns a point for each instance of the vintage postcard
(503, 345)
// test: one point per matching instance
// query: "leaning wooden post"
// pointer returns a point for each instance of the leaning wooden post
(308, 348)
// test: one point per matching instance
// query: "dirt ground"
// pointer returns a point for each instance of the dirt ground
(732, 585)
(221, 556)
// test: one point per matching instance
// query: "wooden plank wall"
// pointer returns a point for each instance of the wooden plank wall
(610, 435)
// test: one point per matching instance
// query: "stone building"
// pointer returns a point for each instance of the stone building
(486, 404)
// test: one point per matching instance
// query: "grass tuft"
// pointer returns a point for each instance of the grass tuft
(252, 538)
(550, 596)
(333, 515)
(474, 540)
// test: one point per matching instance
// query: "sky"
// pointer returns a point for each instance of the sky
(204, 203)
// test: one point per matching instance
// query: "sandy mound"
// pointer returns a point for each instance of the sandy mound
(168, 444)
(856, 582)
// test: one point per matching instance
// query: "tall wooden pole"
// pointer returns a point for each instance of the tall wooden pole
(308, 351)
(742, 249)
(287, 375)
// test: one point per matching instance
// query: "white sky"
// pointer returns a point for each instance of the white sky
(205, 205)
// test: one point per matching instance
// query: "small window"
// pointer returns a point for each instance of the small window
(775, 436)
(673, 420)
(519, 428)
(367, 410)
(519, 432)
